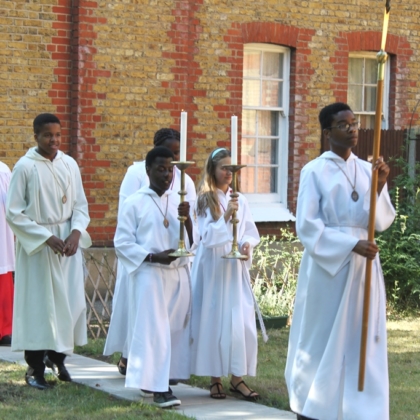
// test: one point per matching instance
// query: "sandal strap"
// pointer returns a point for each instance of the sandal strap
(251, 391)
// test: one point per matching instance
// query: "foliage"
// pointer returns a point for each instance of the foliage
(274, 273)
(400, 244)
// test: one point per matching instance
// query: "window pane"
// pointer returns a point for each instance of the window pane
(271, 93)
(267, 180)
(248, 151)
(355, 70)
(371, 71)
(355, 97)
(247, 183)
(267, 151)
(273, 65)
(252, 63)
(268, 123)
(370, 98)
(367, 121)
(249, 123)
(251, 93)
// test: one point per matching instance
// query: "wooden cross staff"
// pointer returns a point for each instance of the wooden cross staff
(381, 58)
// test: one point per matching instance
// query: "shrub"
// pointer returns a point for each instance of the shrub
(400, 244)
(274, 273)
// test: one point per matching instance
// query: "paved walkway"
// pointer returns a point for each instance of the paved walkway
(195, 401)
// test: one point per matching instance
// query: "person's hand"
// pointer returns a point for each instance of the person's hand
(366, 249)
(71, 243)
(163, 257)
(383, 172)
(245, 250)
(56, 244)
(184, 209)
(233, 205)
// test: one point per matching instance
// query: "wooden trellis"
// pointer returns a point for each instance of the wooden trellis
(100, 274)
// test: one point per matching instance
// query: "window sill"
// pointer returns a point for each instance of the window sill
(270, 212)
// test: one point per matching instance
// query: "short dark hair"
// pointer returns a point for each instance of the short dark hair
(327, 113)
(43, 119)
(158, 152)
(165, 134)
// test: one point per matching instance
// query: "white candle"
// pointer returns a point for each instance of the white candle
(183, 145)
(234, 140)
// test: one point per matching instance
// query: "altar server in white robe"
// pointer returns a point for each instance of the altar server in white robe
(136, 178)
(332, 219)
(223, 320)
(159, 298)
(7, 262)
(48, 212)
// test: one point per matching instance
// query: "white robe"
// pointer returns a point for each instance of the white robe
(324, 344)
(7, 242)
(135, 178)
(159, 298)
(49, 301)
(223, 317)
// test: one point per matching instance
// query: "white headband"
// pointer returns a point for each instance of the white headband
(217, 151)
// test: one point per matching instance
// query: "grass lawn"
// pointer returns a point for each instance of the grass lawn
(404, 368)
(67, 401)
(72, 401)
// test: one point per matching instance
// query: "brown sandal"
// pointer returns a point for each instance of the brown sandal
(252, 396)
(219, 395)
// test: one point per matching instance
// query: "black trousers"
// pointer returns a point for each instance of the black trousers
(299, 417)
(35, 360)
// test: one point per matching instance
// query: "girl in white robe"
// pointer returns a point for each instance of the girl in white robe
(135, 179)
(223, 317)
(331, 222)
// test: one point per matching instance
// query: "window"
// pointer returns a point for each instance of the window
(363, 76)
(265, 109)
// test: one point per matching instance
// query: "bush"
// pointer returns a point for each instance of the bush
(400, 244)
(274, 273)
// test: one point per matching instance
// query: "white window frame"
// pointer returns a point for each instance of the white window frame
(273, 207)
(385, 98)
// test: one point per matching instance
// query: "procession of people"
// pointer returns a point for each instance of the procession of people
(176, 315)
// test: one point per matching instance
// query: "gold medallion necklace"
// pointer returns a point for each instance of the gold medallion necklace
(64, 197)
(354, 195)
(165, 220)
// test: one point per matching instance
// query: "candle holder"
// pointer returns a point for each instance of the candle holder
(182, 251)
(234, 253)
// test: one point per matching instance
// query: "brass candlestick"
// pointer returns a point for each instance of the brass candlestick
(182, 251)
(234, 253)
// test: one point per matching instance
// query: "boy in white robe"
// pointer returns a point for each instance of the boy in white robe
(136, 178)
(48, 212)
(159, 285)
(331, 222)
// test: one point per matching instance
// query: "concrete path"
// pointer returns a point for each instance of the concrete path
(195, 401)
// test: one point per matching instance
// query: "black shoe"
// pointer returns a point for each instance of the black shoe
(122, 368)
(165, 399)
(63, 374)
(173, 382)
(37, 382)
(6, 340)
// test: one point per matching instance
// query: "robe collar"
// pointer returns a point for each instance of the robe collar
(334, 156)
(33, 154)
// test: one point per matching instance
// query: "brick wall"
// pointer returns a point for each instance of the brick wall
(115, 72)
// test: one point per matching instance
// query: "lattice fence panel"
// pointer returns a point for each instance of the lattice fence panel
(100, 274)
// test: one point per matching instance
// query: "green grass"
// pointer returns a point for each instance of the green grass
(69, 401)
(404, 368)
(72, 401)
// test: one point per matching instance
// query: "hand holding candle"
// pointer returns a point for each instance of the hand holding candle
(183, 145)
(234, 140)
